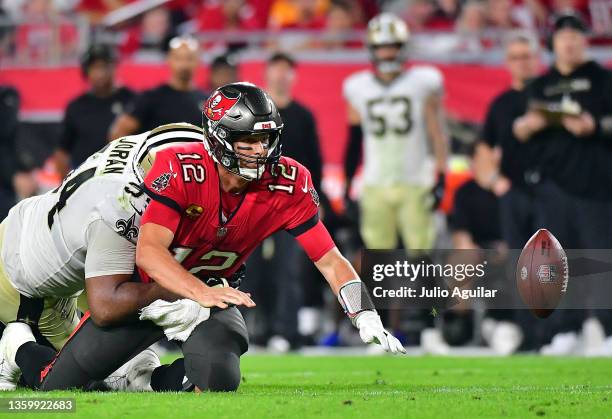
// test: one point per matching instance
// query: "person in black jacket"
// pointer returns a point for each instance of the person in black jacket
(568, 126)
(178, 100)
(279, 264)
(15, 181)
(89, 116)
(500, 160)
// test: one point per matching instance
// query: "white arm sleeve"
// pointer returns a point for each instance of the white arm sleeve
(107, 252)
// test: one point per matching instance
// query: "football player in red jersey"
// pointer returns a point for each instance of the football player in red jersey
(211, 205)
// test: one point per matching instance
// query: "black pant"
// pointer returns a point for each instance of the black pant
(577, 222)
(94, 352)
(517, 216)
(276, 285)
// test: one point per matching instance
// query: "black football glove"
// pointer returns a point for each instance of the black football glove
(437, 191)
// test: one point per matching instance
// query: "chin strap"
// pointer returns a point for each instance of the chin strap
(355, 298)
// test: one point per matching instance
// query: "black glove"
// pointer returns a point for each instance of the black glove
(438, 191)
(233, 280)
(236, 279)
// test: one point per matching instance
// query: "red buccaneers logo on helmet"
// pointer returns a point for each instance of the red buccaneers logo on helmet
(217, 105)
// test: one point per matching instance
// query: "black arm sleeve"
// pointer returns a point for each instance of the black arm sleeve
(353, 152)
(312, 152)
(141, 107)
(489, 132)
(9, 112)
(459, 219)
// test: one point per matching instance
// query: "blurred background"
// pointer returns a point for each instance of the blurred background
(77, 73)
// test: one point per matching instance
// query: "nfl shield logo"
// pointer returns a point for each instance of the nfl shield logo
(546, 273)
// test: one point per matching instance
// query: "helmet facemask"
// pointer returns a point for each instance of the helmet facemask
(389, 65)
(388, 30)
(242, 113)
(222, 148)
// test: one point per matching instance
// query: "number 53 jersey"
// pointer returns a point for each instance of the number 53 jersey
(214, 232)
(396, 149)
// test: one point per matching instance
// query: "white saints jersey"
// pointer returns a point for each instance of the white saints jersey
(46, 238)
(396, 147)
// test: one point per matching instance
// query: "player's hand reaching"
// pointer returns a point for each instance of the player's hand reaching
(371, 330)
(222, 297)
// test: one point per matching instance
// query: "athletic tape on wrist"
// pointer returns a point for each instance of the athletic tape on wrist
(355, 298)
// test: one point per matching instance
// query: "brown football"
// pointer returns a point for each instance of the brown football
(542, 273)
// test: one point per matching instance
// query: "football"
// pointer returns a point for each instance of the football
(542, 273)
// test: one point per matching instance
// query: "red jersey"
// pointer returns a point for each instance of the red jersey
(209, 241)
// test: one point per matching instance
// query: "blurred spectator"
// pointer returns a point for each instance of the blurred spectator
(472, 205)
(472, 19)
(500, 164)
(45, 35)
(343, 17)
(419, 14)
(499, 15)
(529, 13)
(95, 10)
(601, 17)
(89, 116)
(223, 70)
(151, 36)
(175, 101)
(470, 25)
(215, 15)
(569, 128)
(300, 138)
(298, 14)
(230, 15)
(444, 16)
(16, 8)
(559, 7)
(395, 122)
(15, 182)
(284, 271)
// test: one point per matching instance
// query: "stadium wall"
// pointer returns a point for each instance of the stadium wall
(469, 88)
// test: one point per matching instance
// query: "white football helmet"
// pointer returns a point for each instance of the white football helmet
(387, 29)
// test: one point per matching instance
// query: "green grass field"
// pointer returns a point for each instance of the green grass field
(379, 387)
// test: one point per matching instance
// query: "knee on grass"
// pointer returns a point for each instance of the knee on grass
(214, 371)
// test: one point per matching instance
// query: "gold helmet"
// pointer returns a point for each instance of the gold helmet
(383, 30)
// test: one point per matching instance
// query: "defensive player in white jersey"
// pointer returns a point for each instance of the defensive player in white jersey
(79, 237)
(396, 113)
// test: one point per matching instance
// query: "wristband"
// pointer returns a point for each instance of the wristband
(355, 298)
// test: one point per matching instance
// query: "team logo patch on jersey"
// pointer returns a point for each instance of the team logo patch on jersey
(315, 196)
(194, 211)
(127, 228)
(161, 182)
(216, 107)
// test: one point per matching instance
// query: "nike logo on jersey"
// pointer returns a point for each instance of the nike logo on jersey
(139, 212)
(305, 188)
